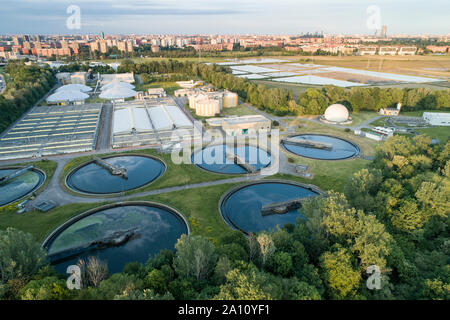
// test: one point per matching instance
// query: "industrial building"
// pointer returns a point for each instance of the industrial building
(391, 111)
(52, 130)
(245, 125)
(436, 118)
(123, 77)
(139, 123)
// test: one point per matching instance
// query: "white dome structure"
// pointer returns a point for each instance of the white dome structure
(74, 87)
(336, 113)
(117, 92)
(116, 83)
(67, 96)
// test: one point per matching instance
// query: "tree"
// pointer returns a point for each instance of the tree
(281, 264)
(241, 286)
(372, 242)
(267, 247)
(195, 257)
(20, 256)
(50, 288)
(339, 274)
(93, 271)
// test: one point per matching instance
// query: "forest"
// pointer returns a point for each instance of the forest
(394, 214)
(27, 85)
(312, 102)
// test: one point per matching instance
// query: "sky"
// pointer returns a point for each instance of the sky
(225, 16)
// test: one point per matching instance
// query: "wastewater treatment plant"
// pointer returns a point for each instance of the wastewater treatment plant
(183, 179)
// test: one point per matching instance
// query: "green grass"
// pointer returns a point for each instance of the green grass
(419, 113)
(441, 133)
(360, 117)
(40, 224)
(240, 110)
(379, 122)
(328, 175)
(175, 175)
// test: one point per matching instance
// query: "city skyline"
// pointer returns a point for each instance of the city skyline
(227, 17)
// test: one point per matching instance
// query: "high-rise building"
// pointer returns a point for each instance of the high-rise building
(384, 31)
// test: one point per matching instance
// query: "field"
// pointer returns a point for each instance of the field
(441, 133)
(429, 66)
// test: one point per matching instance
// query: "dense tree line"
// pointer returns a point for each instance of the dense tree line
(26, 86)
(393, 214)
(313, 101)
(77, 67)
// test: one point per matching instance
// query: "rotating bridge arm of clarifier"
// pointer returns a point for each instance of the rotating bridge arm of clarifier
(283, 207)
(240, 162)
(6, 179)
(307, 143)
(114, 170)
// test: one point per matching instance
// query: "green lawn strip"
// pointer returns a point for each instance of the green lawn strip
(40, 224)
(379, 122)
(419, 113)
(240, 110)
(328, 175)
(175, 175)
(360, 117)
(441, 133)
(200, 206)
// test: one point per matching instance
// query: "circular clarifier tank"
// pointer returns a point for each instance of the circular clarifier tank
(116, 234)
(18, 186)
(321, 147)
(262, 206)
(220, 159)
(97, 178)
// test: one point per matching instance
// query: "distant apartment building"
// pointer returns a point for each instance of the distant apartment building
(407, 51)
(367, 51)
(48, 52)
(387, 51)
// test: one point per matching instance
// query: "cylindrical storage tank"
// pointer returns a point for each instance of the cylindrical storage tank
(230, 100)
(207, 108)
(192, 101)
(219, 97)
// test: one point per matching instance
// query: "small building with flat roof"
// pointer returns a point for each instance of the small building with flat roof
(237, 126)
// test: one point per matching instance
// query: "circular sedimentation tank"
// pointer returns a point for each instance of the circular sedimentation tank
(242, 207)
(93, 178)
(340, 148)
(116, 234)
(21, 185)
(214, 158)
